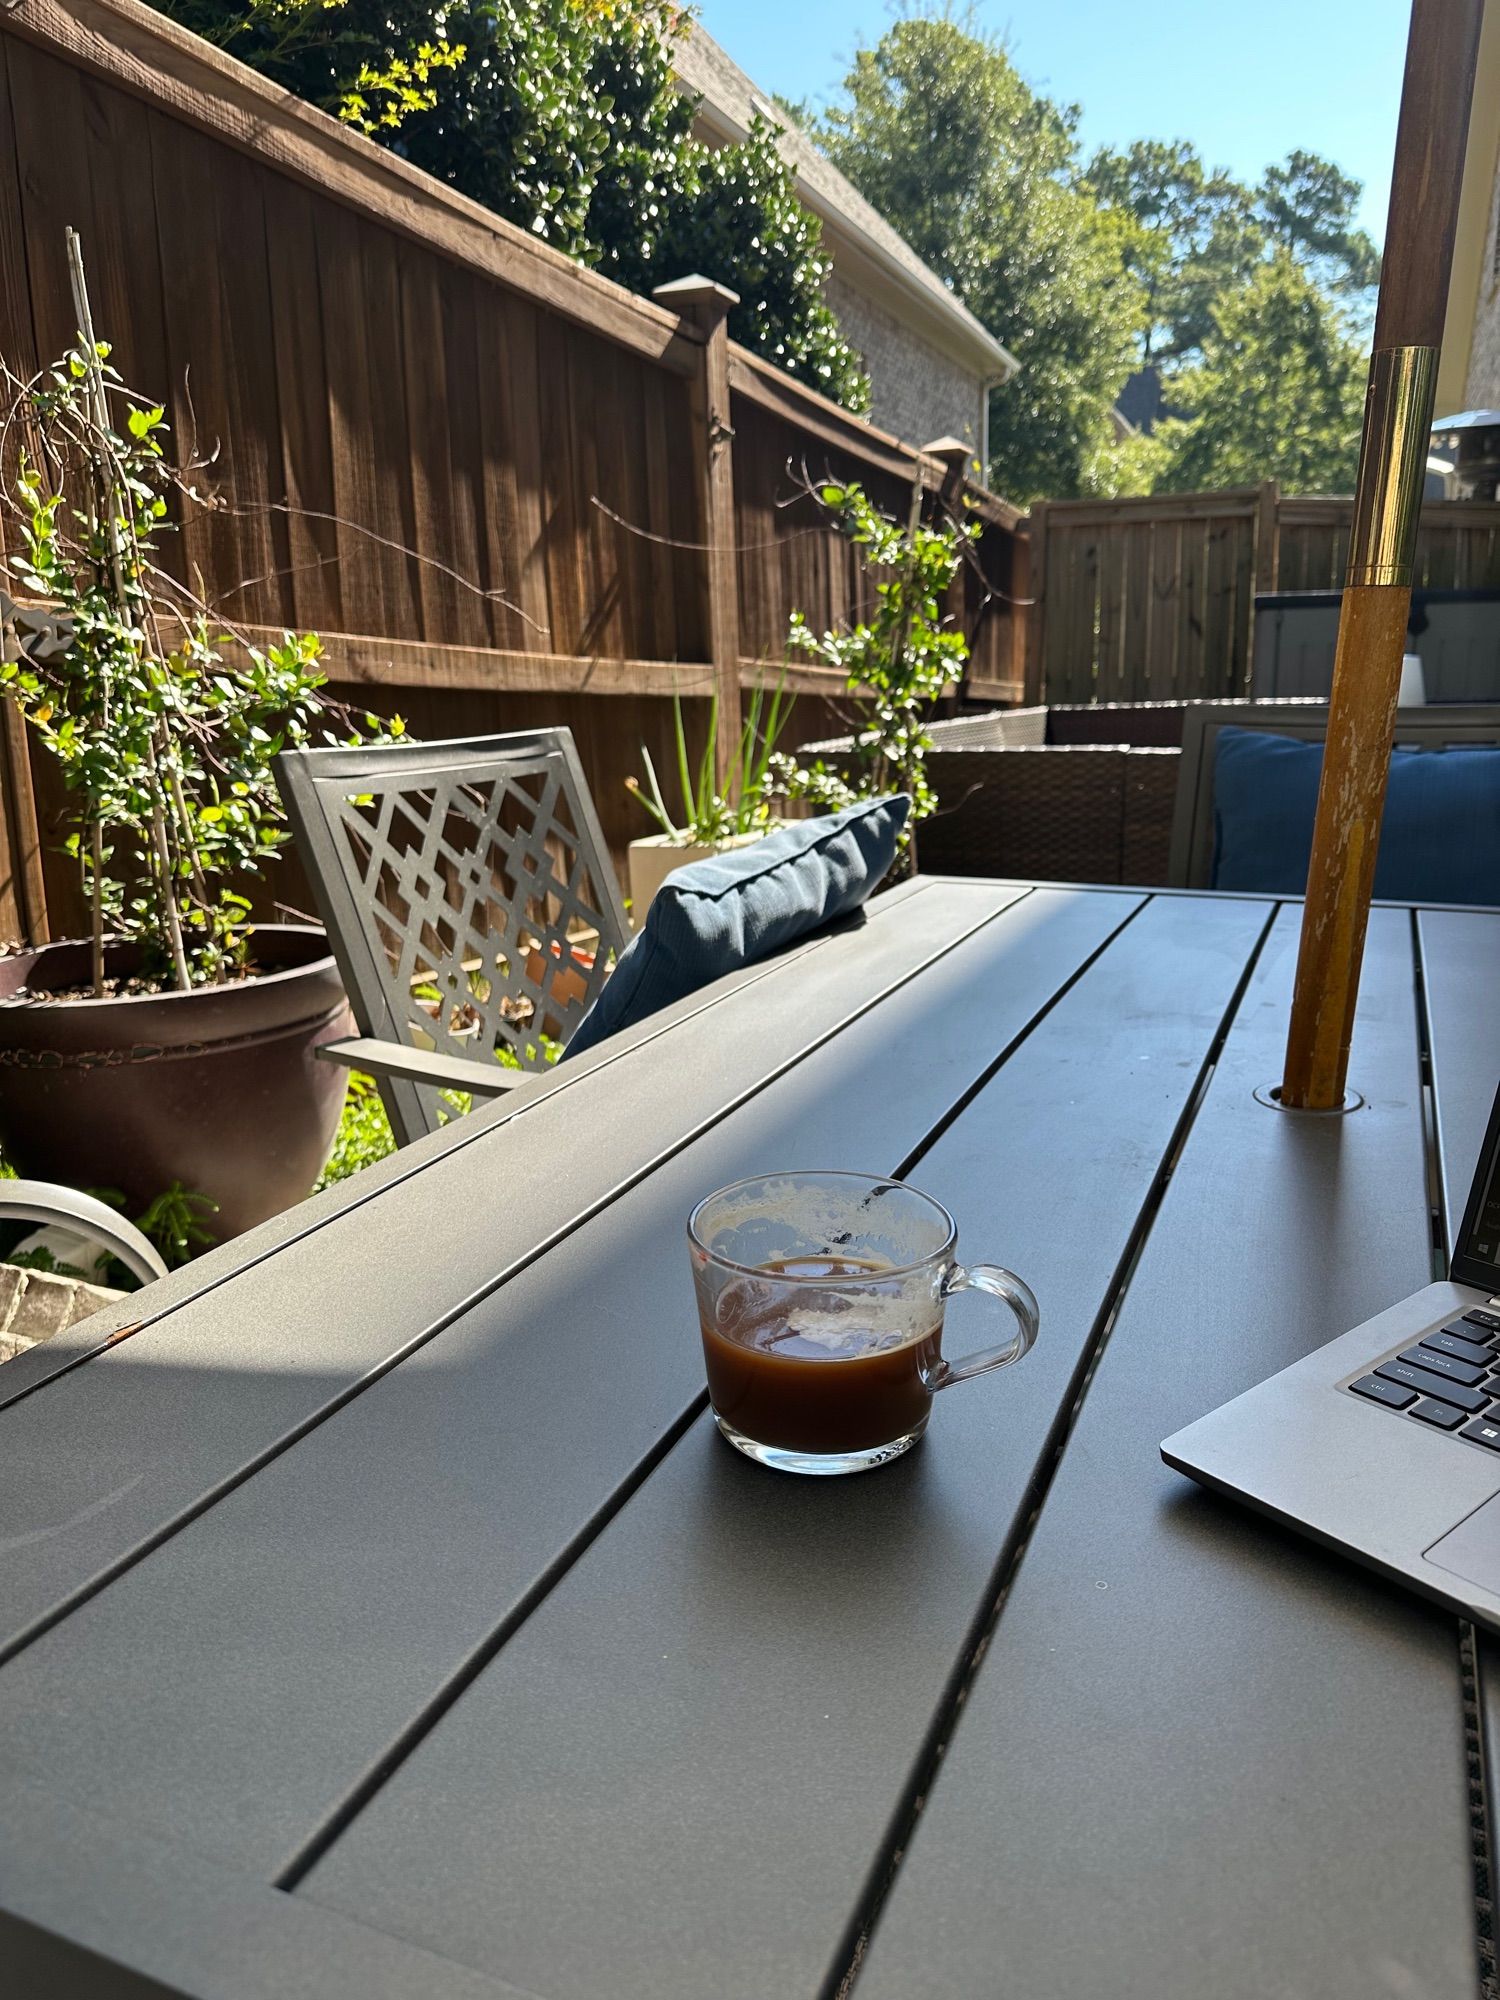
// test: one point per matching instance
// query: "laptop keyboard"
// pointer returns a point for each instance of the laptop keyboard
(1449, 1379)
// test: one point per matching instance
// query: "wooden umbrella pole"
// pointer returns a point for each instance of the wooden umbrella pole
(1427, 175)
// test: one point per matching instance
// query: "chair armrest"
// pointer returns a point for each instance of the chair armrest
(45, 1202)
(444, 1072)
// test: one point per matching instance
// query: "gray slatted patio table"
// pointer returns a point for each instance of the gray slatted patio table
(382, 1616)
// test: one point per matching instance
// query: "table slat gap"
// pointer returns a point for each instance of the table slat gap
(1457, 960)
(759, 1588)
(1481, 1804)
(48, 1363)
(1230, 1668)
(1023, 1034)
(27, 1635)
(311, 1850)
(844, 1969)
(287, 1742)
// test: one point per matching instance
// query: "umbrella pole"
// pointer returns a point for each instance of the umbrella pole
(1428, 172)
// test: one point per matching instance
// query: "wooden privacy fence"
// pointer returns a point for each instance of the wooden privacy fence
(1153, 599)
(503, 490)
(1458, 545)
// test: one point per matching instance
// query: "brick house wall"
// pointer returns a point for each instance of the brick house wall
(915, 391)
(1483, 388)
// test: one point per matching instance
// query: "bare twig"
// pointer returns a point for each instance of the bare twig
(100, 411)
(164, 873)
(96, 906)
(205, 498)
(217, 503)
(160, 750)
(698, 548)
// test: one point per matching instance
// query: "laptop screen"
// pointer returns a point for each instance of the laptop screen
(1476, 1259)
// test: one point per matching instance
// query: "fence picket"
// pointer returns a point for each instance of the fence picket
(1137, 638)
(1165, 585)
(1154, 597)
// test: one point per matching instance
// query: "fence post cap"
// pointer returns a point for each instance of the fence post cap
(955, 457)
(701, 296)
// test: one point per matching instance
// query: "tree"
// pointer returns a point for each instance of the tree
(1308, 206)
(1277, 394)
(980, 174)
(563, 117)
(736, 217)
(1200, 234)
(1189, 235)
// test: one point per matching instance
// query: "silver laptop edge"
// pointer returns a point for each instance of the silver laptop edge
(1361, 1478)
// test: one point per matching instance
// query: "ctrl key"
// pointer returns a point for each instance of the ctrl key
(1483, 1432)
(1380, 1391)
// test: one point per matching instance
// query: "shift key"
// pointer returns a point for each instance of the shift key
(1450, 1365)
(1429, 1383)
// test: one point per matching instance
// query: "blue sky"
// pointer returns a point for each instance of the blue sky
(1246, 84)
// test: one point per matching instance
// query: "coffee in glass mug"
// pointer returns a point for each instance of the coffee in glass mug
(820, 1302)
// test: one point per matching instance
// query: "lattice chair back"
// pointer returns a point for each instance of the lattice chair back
(468, 894)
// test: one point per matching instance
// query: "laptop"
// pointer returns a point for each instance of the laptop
(1385, 1444)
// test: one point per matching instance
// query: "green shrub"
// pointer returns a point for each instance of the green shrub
(563, 116)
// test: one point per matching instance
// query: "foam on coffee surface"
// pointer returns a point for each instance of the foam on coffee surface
(845, 1314)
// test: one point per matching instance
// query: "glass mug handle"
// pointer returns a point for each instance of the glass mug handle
(1017, 1294)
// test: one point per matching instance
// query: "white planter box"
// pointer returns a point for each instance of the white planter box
(653, 859)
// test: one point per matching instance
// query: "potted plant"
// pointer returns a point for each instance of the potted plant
(174, 1047)
(895, 665)
(708, 822)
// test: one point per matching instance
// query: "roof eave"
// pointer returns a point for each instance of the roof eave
(964, 336)
(1481, 159)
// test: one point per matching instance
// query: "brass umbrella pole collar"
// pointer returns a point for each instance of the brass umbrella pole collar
(1393, 454)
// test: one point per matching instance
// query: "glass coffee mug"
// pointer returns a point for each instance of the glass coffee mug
(820, 1299)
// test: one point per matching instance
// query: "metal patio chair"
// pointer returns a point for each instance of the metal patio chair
(471, 905)
(45, 1204)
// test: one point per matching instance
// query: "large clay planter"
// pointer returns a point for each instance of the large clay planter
(657, 855)
(219, 1088)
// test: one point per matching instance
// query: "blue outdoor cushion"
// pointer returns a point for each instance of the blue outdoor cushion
(734, 908)
(1439, 842)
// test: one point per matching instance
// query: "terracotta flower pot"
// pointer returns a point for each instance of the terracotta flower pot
(219, 1088)
(570, 981)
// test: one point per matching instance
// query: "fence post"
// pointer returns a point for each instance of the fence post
(1036, 611)
(1267, 560)
(1267, 541)
(953, 455)
(1018, 583)
(705, 306)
